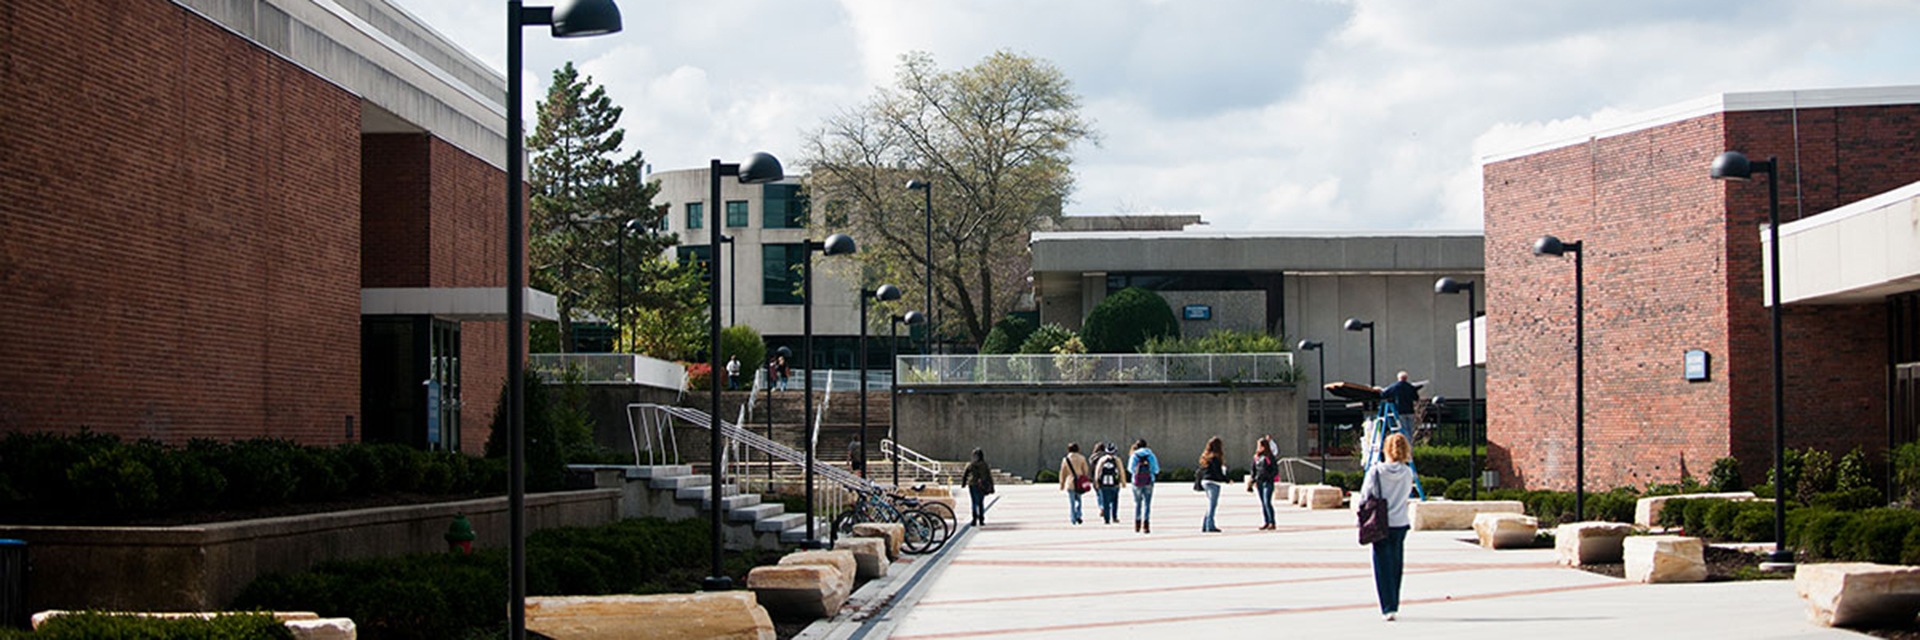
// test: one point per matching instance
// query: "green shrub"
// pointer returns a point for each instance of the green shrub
(1852, 472)
(1045, 339)
(1906, 472)
(1446, 462)
(744, 342)
(1848, 500)
(1434, 486)
(1007, 335)
(1695, 515)
(1673, 515)
(94, 626)
(114, 481)
(1752, 525)
(1460, 489)
(1046, 476)
(1345, 480)
(1124, 321)
(1786, 481)
(546, 467)
(1218, 341)
(1816, 475)
(1175, 474)
(1725, 476)
(1720, 519)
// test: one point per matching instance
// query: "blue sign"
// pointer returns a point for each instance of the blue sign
(1198, 312)
(433, 412)
(1697, 365)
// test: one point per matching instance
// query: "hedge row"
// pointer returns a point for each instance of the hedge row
(1876, 534)
(432, 596)
(94, 626)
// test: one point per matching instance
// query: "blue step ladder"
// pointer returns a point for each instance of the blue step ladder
(1387, 420)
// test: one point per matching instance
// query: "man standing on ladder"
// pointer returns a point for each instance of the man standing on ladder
(1403, 395)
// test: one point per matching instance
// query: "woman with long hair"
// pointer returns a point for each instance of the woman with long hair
(1142, 466)
(1266, 469)
(1392, 480)
(978, 479)
(1213, 473)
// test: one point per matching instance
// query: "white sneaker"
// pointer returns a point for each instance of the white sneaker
(1388, 617)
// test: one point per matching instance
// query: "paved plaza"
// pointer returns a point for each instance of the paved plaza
(1029, 574)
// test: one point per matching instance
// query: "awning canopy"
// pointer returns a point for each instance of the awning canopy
(484, 304)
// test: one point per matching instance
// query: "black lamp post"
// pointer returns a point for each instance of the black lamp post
(1452, 286)
(1355, 324)
(733, 282)
(1551, 246)
(886, 293)
(1320, 354)
(893, 388)
(572, 19)
(759, 168)
(838, 244)
(632, 226)
(1735, 166)
(926, 191)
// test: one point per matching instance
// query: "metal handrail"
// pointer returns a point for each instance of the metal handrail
(1098, 369)
(913, 458)
(1287, 464)
(666, 414)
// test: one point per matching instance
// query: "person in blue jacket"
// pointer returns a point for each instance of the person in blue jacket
(1142, 466)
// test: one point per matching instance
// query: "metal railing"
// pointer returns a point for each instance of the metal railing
(829, 497)
(1286, 466)
(1098, 369)
(610, 368)
(928, 468)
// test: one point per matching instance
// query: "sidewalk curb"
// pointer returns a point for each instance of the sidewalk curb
(880, 606)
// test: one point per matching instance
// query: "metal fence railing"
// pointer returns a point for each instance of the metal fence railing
(1099, 369)
(606, 368)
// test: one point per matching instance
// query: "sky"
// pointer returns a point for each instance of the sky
(1275, 115)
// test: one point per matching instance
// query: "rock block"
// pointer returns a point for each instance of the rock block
(323, 629)
(1505, 530)
(1452, 515)
(841, 561)
(930, 491)
(806, 591)
(1323, 496)
(894, 533)
(1583, 543)
(1859, 594)
(1654, 559)
(1281, 490)
(869, 556)
(730, 615)
(1646, 511)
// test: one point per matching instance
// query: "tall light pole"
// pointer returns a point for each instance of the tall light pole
(1551, 246)
(1320, 354)
(1735, 166)
(838, 244)
(1447, 286)
(733, 282)
(926, 191)
(759, 168)
(572, 19)
(886, 293)
(893, 386)
(632, 226)
(1356, 324)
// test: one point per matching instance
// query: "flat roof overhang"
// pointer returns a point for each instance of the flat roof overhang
(1303, 252)
(1859, 253)
(475, 304)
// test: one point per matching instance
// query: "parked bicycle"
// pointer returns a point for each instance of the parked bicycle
(926, 525)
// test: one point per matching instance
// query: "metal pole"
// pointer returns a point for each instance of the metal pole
(717, 580)
(806, 400)
(733, 282)
(863, 381)
(893, 393)
(619, 279)
(516, 304)
(1373, 377)
(1473, 391)
(1780, 553)
(926, 346)
(1322, 382)
(1579, 381)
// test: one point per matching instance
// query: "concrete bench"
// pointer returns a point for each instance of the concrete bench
(842, 561)
(804, 591)
(894, 533)
(1853, 594)
(1451, 515)
(1323, 496)
(728, 615)
(1505, 530)
(1583, 543)
(869, 556)
(305, 625)
(1646, 511)
(1653, 559)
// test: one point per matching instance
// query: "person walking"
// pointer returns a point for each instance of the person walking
(1266, 470)
(733, 373)
(1392, 480)
(856, 462)
(978, 479)
(1142, 466)
(1076, 478)
(1213, 473)
(1106, 481)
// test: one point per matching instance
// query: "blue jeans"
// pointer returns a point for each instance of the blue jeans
(1073, 502)
(1389, 559)
(1109, 503)
(1265, 489)
(979, 504)
(1142, 503)
(1213, 501)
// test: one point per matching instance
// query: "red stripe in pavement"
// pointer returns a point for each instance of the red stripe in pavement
(1097, 594)
(1093, 564)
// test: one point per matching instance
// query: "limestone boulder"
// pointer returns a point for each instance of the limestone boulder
(894, 533)
(869, 556)
(1859, 594)
(1505, 530)
(1654, 559)
(1646, 511)
(1281, 490)
(1324, 496)
(1293, 493)
(842, 561)
(323, 629)
(1583, 543)
(799, 591)
(724, 615)
(1455, 515)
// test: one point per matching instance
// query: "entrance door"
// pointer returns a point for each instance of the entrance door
(410, 365)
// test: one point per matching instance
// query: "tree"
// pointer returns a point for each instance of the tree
(1124, 321)
(995, 141)
(666, 311)
(583, 196)
(1007, 335)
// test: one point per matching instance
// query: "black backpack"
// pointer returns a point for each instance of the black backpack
(1108, 475)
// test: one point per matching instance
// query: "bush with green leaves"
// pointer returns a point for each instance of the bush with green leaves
(1852, 472)
(96, 626)
(1816, 475)
(1220, 341)
(546, 462)
(1125, 320)
(1461, 489)
(1046, 339)
(744, 342)
(1725, 476)
(1007, 335)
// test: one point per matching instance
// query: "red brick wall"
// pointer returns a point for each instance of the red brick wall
(396, 207)
(470, 250)
(181, 247)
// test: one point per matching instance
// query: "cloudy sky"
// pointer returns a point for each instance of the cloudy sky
(1260, 114)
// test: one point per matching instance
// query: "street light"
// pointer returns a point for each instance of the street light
(1735, 166)
(572, 19)
(1320, 354)
(1448, 286)
(926, 192)
(759, 168)
(1355, 324)
(893, 388)
(1551, 246)
(733, 282)
(838, 244)
(886, 293)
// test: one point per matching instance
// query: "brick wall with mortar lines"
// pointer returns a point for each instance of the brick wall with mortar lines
(181, 247)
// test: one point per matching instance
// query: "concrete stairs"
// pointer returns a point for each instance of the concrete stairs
(679, 492)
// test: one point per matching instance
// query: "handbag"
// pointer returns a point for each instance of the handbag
(1081, 484)
(1373, 519)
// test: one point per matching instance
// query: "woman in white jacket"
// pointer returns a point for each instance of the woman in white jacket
(1392, 480)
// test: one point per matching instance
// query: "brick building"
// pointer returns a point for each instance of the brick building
(1673, 263)
(248, 218)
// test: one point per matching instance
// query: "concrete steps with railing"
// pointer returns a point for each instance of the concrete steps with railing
(678, 492)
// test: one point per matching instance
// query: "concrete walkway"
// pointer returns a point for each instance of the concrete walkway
(1029, 574)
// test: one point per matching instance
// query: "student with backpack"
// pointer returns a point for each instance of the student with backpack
(1075, 478)
(1142, 466)
(1266, 470)
(1106, 480)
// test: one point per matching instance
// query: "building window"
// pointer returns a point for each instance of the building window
(780, 273)
(698, 255)
(695, 211)
(782, 207)
(736, 213)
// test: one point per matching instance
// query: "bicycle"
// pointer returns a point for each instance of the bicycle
(924, 531)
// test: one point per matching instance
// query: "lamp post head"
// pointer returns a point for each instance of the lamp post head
(582, 18)
(1732, 165)
(761, 168)
(634, 225)
(1552, 246)
(1354, 324)
(1450, 285)
(915, 317)
(886, 293)
(1309, 345)
(918, 185)
(839, 244)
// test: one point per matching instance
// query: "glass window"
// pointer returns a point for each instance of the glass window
(780, 273)
(698, 255)
(783, 207)
(736, 213)
(695, 214)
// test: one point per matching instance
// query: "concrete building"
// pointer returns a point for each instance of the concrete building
(246, 218)
(1674, 264)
